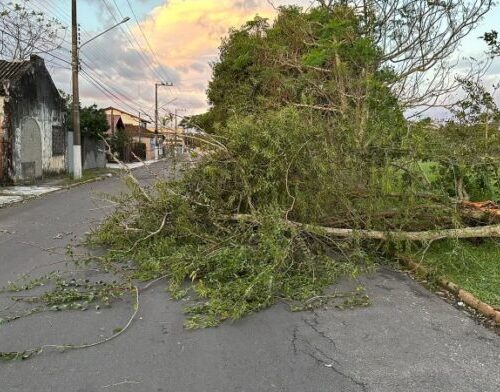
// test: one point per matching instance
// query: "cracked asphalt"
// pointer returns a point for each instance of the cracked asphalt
(407, 340)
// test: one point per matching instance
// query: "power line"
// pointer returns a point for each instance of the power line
(128, 36)
(112, 93)
(123, 97)
(146, 38)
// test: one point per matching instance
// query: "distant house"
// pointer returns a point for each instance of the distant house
(127, 118)
(135, 128)
(115, 122)
(32, 135)
(145, 136)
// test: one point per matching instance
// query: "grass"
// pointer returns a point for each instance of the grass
(474, 266)
(86, 176)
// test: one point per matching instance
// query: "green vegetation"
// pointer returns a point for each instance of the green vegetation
(306, 130)
(93, 123)
(87, 175)
(474, 266)
(303, 127)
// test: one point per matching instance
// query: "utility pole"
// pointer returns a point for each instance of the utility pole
(176, 129)
(77, 141)
(140, 125)
(156, 114)
(76, 166)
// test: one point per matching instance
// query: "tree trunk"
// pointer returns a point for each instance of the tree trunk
(432, 235)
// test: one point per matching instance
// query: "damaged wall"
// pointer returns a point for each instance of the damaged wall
(3, 152)
(36, 124)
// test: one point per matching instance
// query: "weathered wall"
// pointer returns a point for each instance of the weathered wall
(94, 154)
(2, 115)
(36, 108)
(3, 152)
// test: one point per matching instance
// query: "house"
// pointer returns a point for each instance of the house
(115, 123)
(145, 136)
(135, 128)
(32, 136)
(127, 118)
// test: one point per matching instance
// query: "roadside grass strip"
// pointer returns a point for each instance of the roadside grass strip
(470, 270)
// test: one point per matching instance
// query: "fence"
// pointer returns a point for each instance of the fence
(93, 153)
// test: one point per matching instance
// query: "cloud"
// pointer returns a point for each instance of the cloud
(187, 31)
(186, 36)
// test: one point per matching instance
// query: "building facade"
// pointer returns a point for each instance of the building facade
(33, 139)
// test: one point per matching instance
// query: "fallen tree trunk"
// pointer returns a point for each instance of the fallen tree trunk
(422, 236)
(431, 235)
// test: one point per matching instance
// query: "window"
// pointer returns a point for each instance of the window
(58, 140)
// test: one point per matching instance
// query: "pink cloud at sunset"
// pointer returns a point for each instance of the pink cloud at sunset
(186, 35)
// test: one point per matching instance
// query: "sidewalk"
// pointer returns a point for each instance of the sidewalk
(15, 194)
(19, 193)
(132, 165)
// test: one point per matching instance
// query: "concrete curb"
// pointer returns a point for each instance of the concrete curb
(95, 179)
(468, 298)
(67, 187)
(61, 188)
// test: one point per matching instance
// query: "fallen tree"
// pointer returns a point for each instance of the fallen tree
(308, 146)
(316, 162)
(421, 236)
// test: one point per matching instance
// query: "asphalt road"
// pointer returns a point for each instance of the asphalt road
(408, 340)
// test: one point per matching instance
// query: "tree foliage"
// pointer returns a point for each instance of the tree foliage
(25, 32)
(93, 122)
(491, 39)
(304, 126)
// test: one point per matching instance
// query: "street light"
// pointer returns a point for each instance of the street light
(75, 63)
(125, 20)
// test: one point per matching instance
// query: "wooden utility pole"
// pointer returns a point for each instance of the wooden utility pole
(140, 125)
(156, 114)
(176, 129)
(77, 142)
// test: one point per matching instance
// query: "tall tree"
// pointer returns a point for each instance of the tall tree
(25, 32)
(417, 39)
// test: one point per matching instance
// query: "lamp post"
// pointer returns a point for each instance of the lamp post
(77, 140)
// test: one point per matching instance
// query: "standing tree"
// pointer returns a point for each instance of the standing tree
(418, 40)
(92, 119)
(25, 32)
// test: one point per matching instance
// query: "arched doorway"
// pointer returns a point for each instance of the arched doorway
(31, 149)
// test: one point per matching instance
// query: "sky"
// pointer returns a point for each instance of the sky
(172, 41)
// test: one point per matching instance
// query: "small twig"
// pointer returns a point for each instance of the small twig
(114, 336)
(121, 383)
(48, 250)
(147, 286)
(150, 234)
